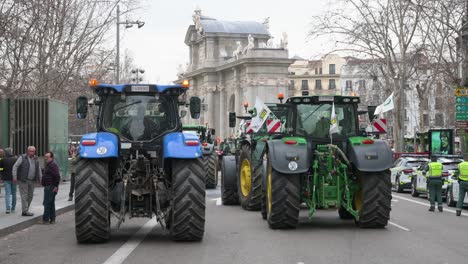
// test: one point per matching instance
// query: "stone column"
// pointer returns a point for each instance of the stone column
(211, 108)
(223, 124)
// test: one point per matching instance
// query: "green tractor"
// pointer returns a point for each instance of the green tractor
(241, 174)
(210, 157)
(322, 161)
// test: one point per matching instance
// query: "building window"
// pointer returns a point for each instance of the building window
(349, 86)
(318, 84)
(320, 71)
(406, 115)
(331, 84)
(362, 84)
(439, 120)
(331, 69)
(438, 103)
(305, 85)
(291, 88)
(316, 71)
(425, 120)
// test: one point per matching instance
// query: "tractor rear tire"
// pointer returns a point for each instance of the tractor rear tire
(376, 196)
(250, 191)
(92, 212)
(228, 173)
(264, 188)
(283, 199)
(188, 203)
(211, 167)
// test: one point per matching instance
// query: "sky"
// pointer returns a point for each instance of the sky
(158, 47)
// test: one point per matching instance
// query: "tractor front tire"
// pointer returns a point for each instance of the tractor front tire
(92, 215)
(188, 203)
(283, 199)
(211, 166)
(250, 181)
(373, 201)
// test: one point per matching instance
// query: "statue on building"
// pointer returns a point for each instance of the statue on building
(266, 23)
(180, 71)
(262, 44)
(271, 43)
(238, 52)
(284, 41)
(250, 45)
(197, 19)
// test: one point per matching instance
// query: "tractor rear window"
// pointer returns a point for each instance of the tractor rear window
(414, 164)
(139, 117)
(450, 166)
(314, 120)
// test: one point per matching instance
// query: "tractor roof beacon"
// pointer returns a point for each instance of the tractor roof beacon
(138, 163)
(340, 170)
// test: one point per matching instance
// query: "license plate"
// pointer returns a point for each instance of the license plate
(125, 145)
(140, 88)
(326, 98)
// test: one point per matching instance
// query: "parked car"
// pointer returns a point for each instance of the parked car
(403, 168)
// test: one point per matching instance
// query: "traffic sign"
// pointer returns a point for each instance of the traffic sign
(461, 92)
(462, 116)
(461, 108)
(461, 124)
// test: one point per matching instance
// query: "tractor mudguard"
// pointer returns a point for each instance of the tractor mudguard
(230, 171)
(282, 154)
(208, 149)
(372, 157)
(99, 145)
(174, 145)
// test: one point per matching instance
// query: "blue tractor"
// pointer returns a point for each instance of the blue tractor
(139, 163)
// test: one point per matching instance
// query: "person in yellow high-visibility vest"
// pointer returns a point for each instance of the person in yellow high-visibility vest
(463, 183)
(434, 182)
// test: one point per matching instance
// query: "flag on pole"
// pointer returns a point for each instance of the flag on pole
(261, 113)
(333, 121)
(385, 107)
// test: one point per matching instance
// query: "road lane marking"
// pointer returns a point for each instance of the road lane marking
(126, 249)
(218, 200)
(393, 200)
(399, 226)
(427, 204)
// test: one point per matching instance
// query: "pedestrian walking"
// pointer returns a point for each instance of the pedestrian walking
(7, 164)
(25, 172)
(463, 184)
(73, 161)
(50, 181)
(434, 180)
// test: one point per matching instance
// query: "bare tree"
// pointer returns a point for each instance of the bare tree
(384, 30)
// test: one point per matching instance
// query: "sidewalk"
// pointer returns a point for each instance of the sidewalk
(13, 222)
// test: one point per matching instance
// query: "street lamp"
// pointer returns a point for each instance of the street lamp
(128, 24)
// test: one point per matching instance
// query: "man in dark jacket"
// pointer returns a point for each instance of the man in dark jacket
(7, 176)
(50, 181)
(26, 171)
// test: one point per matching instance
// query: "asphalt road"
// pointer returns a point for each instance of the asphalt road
(236, 236)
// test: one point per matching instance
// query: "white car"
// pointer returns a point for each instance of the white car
(419, 183)
(453, 191)
(402, 171)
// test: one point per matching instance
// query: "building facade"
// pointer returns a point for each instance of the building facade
(232, 62)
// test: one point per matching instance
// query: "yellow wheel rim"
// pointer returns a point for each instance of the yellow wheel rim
(269, 188)
(358, 201)
(245, 178)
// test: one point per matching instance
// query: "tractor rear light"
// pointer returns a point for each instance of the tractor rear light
(290, 142)
(192, 143)
(204, 144)
(88, 142)
(367, 141)
(185, 83)
(407, 171)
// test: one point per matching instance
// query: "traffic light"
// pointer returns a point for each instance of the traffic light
(232, 119)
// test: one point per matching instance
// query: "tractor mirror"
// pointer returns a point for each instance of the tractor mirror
(81, 107)
(232, 119)
(195, 107)
(183, 113)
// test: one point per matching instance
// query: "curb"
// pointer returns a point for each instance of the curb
(32, 221)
